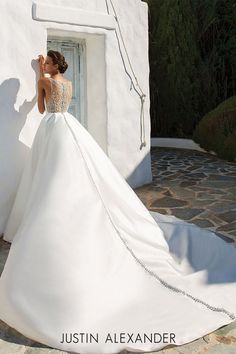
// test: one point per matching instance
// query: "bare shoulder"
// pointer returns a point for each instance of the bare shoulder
(44, 81)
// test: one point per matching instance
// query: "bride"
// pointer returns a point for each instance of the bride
(90, 269)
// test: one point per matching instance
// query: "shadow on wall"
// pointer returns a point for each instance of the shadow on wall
(12, 151)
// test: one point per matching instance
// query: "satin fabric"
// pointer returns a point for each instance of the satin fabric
(87, 256)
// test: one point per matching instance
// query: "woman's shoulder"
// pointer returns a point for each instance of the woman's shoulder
(62, 81)
(43, 81)
(48, 79)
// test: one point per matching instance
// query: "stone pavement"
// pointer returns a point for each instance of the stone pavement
(194, 186)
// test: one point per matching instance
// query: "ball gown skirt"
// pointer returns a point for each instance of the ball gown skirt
(87, 256)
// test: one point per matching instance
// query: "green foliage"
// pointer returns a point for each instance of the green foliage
(176, 73)
(217, 39)
(192, 55)
(217, 130)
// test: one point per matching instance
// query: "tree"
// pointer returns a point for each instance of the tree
(192, 52)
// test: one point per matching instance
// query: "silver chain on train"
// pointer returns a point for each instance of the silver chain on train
(163, 282)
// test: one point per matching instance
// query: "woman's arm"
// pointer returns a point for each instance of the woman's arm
(41, 65)
(41, 90)
(41, 95)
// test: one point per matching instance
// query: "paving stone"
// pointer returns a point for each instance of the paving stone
(199, 188)
(203, 202)
(167, 173)
(204, 195)
(168, 202)
(215, 191)
(210, 215)
(197, 175)
(221, 349)
(221, 178)
(233, 233)
(217, 184)
(160, 189)
(11, 348)
(203, 222)
(169, 183)
(230, 196)
(222, 170)
(187, 183)
(220, 206)
(232, 190)
(183, 193)
(227, 227)
(168, 193)
(229, 216)
(186, 213)
(192, 168)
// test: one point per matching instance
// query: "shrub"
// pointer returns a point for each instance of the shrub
(216, 131)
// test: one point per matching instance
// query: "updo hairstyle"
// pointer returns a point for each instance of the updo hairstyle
(58, 58)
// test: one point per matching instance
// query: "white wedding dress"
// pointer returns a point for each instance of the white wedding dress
(88, 257)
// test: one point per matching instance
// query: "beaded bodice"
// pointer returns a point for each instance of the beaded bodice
(61, 94)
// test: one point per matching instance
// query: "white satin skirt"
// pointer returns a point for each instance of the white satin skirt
(91, 270)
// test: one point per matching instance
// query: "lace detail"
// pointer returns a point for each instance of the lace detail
(61, 94)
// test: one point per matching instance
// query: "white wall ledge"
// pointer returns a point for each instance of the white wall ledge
(73, 16)
(179, 143)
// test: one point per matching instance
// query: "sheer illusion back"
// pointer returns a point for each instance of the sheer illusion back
(61, 94)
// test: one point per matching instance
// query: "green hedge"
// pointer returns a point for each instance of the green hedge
(216, 131)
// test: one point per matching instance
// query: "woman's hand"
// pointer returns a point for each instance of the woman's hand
(41, 59)
(41, 64)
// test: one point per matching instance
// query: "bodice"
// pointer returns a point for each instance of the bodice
(61, 94)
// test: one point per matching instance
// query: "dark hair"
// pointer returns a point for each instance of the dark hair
(58, 58)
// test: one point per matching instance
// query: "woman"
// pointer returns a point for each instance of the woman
(90, 269)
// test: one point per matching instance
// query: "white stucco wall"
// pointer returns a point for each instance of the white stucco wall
(113, 111)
